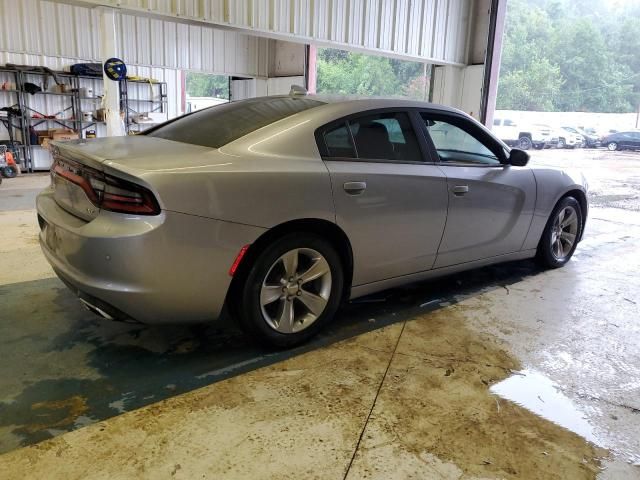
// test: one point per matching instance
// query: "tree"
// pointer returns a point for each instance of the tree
(533, 89)
(206, 85)
(347, 73)
(571, 55)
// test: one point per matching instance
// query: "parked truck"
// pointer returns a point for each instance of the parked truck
(523, 137)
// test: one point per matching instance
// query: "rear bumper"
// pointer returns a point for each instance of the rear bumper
(169, 268)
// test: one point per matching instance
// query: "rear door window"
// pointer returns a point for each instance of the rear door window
(385, 136)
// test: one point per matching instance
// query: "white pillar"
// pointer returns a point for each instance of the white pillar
(111, 99)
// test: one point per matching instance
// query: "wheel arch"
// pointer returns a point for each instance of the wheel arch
(581, 197)
(323, 228)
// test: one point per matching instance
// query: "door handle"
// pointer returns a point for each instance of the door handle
(354, 188)
(460, 190)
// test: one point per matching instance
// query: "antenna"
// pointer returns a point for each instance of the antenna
(297, 91)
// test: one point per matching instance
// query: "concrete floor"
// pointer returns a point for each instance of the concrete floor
(503, 372)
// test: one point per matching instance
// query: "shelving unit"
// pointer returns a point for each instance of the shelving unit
(66, 108)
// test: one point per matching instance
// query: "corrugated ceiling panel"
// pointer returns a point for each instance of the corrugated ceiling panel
(260, 14)
(433, 29)
(428, 22)
(415, 27)
(440, 32)
(386, 21)
(355, 23)
(302, 18)
(239, 13)
(401, 26)
(281, 15)
(371, 23)
(321, 19)
(339, 18)
(453, 28)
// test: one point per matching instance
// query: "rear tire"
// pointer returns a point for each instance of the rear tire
(612, 146)
(284, 302)
(561, 143)
(560, 237)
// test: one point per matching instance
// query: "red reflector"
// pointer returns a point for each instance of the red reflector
(236, 262)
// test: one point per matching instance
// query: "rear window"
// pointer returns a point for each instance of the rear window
(216, 126)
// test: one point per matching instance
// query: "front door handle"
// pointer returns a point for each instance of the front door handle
(460, 190)
(355, 188)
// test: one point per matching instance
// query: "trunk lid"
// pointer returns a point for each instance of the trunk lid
(75, 160)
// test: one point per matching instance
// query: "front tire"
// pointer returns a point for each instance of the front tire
(525, 143)
(293, 288)
(560, 237)
(612, 146)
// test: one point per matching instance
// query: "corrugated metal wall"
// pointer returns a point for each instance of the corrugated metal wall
(433, 30)
(59, 30)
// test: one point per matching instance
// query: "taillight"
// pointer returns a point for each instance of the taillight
(106, 191)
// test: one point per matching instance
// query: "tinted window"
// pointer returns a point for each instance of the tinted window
(385, 136)
(338, 142)
(456, 145)
(496, 122)
(219, 125)
(509, 123)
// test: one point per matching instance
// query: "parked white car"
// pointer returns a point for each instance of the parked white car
(569, 138)
(524, 137)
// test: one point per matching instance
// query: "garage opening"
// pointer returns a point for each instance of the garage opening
(570, 74)
(204, 90)
(341, 72)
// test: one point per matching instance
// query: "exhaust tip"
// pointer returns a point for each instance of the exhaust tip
(96, 310)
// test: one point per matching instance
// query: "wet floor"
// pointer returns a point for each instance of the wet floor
(503, 372)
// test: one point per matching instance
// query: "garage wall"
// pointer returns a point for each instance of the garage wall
(54, 29)
(431, 30)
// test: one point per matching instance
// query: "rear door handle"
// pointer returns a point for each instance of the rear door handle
(354, 188)
(460, 190)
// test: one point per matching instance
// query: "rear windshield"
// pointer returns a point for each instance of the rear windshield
(216, 126)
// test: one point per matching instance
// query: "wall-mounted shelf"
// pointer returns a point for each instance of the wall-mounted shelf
(20, 127)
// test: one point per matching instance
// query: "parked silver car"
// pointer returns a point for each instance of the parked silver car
(279, 208)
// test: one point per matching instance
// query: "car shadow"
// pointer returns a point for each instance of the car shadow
(65, 368)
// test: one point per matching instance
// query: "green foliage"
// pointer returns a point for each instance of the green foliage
(205, 85)
(570, 55)
(346, 73)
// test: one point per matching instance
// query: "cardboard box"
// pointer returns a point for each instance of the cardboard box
(59, 134)
(42, 135)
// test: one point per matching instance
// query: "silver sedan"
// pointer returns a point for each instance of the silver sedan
(280, 208)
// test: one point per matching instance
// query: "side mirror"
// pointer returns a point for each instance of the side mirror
(518, 158)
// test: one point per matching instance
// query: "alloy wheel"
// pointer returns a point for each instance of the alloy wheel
(564, 233)
(296, 290)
